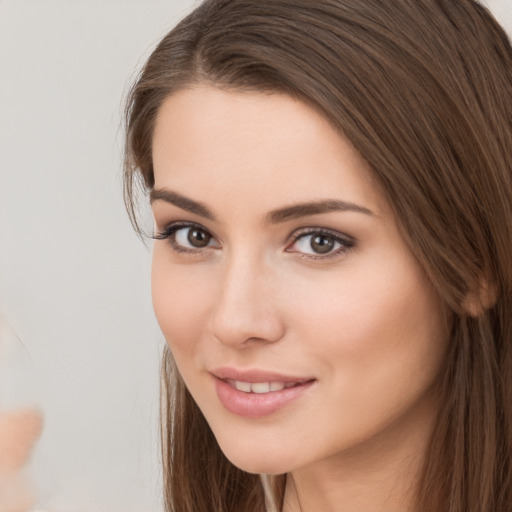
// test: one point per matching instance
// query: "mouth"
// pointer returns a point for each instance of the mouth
(261, 387)
(256, 394)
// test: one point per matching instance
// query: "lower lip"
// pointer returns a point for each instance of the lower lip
(257, 405)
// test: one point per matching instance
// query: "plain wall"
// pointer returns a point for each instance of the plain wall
(74, 279)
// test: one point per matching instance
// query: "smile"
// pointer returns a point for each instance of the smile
(260, 387)
(258, 394)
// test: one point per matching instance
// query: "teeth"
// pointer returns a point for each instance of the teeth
(259, 387)
(276, 386)
(243, 386)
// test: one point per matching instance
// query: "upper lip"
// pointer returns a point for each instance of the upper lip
(255, 375)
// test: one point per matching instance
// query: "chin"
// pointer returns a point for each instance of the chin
(260, 466)
(257, 459)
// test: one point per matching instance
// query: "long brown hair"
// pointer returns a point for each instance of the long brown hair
(423, 90)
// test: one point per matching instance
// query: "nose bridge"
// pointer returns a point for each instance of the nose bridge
(246, 309)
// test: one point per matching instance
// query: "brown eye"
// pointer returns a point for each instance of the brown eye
(322, 244)
(198, 237)
(318, 243)
(189, 238)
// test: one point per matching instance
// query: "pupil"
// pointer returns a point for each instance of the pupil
(198, 238)
(322, 244)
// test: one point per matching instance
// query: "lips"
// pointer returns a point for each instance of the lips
(256, 393)
(260, 387)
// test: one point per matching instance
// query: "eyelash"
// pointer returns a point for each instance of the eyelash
(346, 242)
(169, 233)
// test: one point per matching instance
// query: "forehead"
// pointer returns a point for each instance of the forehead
(233, 145)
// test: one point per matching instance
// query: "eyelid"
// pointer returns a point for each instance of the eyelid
(171, 227)
(168, 233)
(314, 230)
(347, 242)
(168, 230)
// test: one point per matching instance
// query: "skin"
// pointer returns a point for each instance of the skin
(362, 320)
(19, 432)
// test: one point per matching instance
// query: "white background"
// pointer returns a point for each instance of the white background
(74, 279)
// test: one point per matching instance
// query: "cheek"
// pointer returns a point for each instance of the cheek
(373, 322)
(181, 301)
(380, 343)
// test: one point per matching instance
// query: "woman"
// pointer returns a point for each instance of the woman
(331, 183)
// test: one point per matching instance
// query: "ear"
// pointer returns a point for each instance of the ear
(476, 303)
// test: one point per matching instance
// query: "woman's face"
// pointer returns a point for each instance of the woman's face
(300, 321)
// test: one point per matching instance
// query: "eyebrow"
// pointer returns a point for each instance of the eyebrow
(189, 205)
(277, 216)
(300, 210)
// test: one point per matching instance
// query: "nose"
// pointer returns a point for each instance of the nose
(247, 310)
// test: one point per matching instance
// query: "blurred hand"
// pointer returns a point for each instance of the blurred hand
(19, 432)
